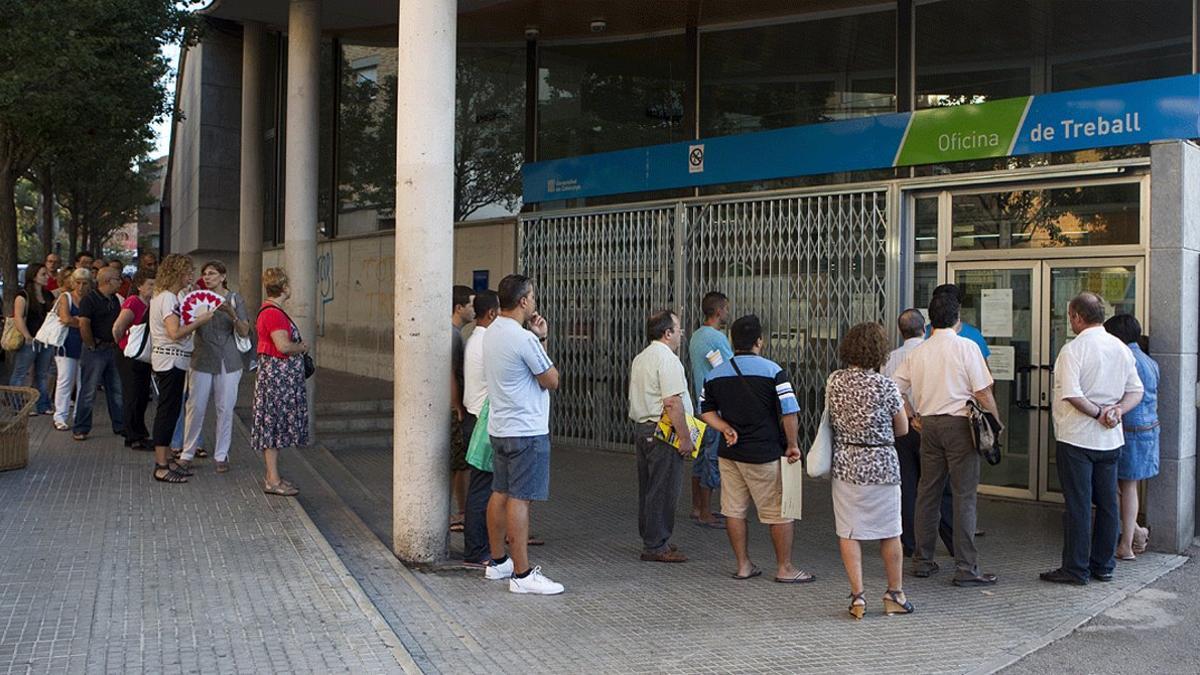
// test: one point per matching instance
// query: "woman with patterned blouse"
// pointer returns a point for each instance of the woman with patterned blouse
(867, 416)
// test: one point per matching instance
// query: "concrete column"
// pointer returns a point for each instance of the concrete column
(424, 270)
(250, 213)
(300, 188)
(1174, 275)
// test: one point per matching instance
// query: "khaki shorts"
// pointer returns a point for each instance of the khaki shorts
(742, 483)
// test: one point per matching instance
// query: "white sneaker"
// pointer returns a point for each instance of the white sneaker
(499, 572)
(536, 583)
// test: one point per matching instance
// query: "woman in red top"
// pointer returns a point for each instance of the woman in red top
(135, 374)
(280, 398)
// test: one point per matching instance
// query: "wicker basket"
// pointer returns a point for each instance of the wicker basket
(15, 406)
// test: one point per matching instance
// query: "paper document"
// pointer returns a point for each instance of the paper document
(1003, 362)
(996, 312)
(793, 488)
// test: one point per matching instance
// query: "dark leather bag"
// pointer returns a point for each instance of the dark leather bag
(985, 432)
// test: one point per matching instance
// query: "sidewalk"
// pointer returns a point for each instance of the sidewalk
(104, 570)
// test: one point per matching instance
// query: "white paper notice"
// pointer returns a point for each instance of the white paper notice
(793, 489)
(996, 309)
(1003, 362)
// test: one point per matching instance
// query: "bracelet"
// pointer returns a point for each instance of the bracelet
(1099, 411)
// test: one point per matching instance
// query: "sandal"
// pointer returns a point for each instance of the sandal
(183, 467)
(858, 605)
(754, 572)
(892, 604)
(281, 488)
(201, 453)
(222, 467)
(1141, 539)
(800, 577)
(169, 475)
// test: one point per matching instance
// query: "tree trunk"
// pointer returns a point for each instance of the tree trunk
(8, 237)
(73, 235)
(47, 215)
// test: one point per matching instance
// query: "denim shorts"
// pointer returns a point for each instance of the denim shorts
(521, 467)
(704, 466)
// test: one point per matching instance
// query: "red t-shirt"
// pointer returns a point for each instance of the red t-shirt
(134, 304)
(52, 284)
(271, 319)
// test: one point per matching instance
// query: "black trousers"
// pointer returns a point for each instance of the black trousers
(171, 384)
(909, 449)
(135, 394)
(479, 491)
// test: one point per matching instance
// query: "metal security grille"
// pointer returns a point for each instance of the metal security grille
(809, 266)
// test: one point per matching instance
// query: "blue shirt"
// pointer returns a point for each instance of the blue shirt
(706, 339)
(971, 333)
(753, 403)
(512, 359)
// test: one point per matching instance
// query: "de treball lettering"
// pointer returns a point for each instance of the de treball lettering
(1074, 129)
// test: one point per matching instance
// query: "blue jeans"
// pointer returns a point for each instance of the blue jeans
(521, 467)
(98, 366)
(1089, 477)
(40, 362)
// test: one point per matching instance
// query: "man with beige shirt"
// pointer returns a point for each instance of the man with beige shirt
(940, 376)
(657, 383)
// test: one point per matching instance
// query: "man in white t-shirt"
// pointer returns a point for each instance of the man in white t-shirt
(939, 377)
(519, 378)
(657, 383)
(475, 535)
(1095, 383)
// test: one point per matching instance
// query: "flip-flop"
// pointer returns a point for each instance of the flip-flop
(712, 524)
(1127, 557)
(801, 577)
(754, 572)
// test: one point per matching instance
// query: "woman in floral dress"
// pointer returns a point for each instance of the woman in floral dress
(280, 398)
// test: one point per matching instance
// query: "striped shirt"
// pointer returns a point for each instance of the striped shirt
(753, 404)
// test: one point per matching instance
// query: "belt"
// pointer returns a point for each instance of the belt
(1143, 427)
(171, 351)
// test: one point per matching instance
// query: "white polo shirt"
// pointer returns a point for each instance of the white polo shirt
(942, 373)
(1099, 367)
(656, 374)
(474, 379)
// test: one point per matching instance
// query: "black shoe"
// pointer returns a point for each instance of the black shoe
(981, 580)
(1061, 576)
(1100, 576)
(925, 571)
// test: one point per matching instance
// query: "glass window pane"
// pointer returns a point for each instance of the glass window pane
(1097, 42)
(1096, 215)
(925, 279)
(366, 138)
(611, 95)
(757, 78)
(489, 131)
(925, 224)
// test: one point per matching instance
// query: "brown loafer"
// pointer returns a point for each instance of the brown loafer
(667, 556)
(222, 467)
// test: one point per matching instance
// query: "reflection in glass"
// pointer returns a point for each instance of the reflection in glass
(925, 279)
(367, 139)
(1094, 215)
(613, 95)
(783, 75)
(925, 224)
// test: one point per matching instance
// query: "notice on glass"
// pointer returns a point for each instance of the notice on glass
(1003, 362)
(793, 489)
(996, 313)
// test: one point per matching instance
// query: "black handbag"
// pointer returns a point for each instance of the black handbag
(985, 432)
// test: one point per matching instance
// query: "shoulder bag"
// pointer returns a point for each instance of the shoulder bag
(310, 366)
(53, 332)
(985, 432)
(138, 345)
(12, 340)
(241, 341)
(819, 460)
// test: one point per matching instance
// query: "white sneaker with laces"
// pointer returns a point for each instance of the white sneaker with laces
(535, 584)
(499, 572)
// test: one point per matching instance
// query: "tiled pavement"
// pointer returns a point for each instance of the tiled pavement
(104, 570)
(623, 615)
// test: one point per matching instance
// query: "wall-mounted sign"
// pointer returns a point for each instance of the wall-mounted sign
(1123, 114)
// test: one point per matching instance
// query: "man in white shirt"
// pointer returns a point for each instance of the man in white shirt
(519, 378)
(475, 535)
(1095, 383)
(911, 324)
(657, 383)
(939, 377)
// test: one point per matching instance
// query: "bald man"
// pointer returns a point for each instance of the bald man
(98, 364)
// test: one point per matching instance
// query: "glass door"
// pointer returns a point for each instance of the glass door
(1118, 283)
(1004, 302)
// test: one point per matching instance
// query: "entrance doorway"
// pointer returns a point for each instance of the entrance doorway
(1020, 306)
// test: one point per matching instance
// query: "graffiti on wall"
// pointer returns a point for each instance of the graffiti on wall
(324, 285)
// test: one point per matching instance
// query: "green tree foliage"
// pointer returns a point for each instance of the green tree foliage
(80, 81)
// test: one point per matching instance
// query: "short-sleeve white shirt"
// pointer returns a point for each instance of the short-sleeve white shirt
(1099, 367)
(474, 379)
(513, 359)
(942, 373)
(656, 374)
(167, 353)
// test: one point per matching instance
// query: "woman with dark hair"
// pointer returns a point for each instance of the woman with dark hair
(29, 311)
(1139, 457)
(867, 415)
(135, 374)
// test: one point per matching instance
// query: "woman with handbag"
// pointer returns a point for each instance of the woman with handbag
(170, 359)
(216, 368)
(867, 415)
(29, 311)
(76, 286)
(280, 398)
(135, 368)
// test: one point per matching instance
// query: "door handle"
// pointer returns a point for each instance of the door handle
(1045, 402)
(1023, 388)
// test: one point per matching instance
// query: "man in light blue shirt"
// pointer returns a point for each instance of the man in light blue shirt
(519, 378)
(708, 348)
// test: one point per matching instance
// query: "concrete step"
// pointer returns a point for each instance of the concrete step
(358, 440)
(369, 406)
(347, 423)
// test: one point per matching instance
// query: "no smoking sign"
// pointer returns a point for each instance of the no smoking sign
(696, 158)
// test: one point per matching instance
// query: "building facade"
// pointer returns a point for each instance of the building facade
(822, 163)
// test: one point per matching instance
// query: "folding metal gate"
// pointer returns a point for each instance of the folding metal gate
(809, 265)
